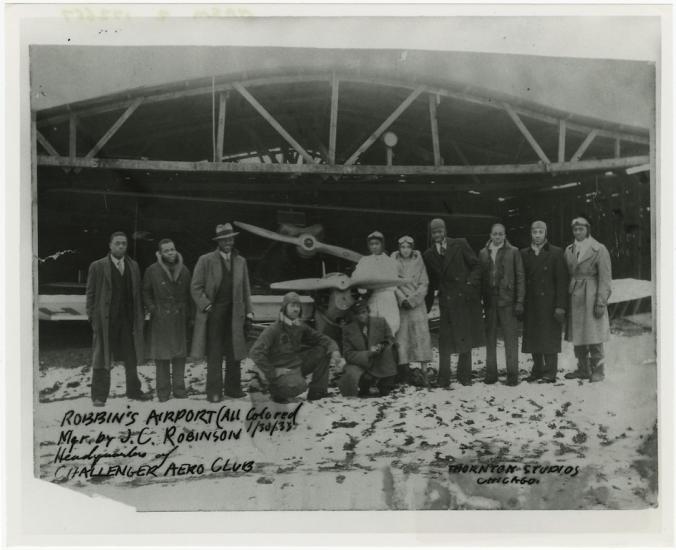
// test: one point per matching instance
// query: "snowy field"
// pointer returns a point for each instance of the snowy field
(369, 454)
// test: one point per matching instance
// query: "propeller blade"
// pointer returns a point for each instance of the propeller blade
(267, 234)
(374, 283)
(338, 251)
(340, 282)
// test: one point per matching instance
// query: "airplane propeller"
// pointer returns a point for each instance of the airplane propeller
(339, 281)
(307, 244)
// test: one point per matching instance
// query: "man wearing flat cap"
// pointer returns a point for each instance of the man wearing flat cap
(288, 350)
(545, 303)
(221, 291)
(588, 327)
(454, 270)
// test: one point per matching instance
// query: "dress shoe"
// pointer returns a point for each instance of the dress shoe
(98, 403)
(533, 378)
(140, 396)
(236, 394)
(280, 400)
(315, 395)
(547, 380)
(465, 382)
(214, 398)
(511, 382)
(490, 380)
(163, 398)
(582, 374)
(180, 394)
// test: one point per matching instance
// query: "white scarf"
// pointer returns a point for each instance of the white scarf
(494, 250)
(290, 322)
(581, 247)
(536, 248)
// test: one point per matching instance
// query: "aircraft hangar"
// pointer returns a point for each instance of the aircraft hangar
(351, 141)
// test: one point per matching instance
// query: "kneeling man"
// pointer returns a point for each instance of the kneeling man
(368, 345)
(288, 350)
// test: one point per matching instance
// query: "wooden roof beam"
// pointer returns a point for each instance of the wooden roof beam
(273, 122)
(220, 136)
(434, 127)
(341, 169)
(464, 160)
(114, 128)
(333, 124)
(529, 137)
(153, 95)
(385, 125)
(584, 146)
(42, 140)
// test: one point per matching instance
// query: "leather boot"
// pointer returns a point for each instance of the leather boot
(582, 365)
(597, 369)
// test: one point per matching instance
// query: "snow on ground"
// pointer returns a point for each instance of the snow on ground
(382, 453)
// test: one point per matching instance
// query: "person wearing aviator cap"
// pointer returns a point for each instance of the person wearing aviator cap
(221, 291)
(545, 303)
(414, 345)
(454, 270)
(590, 278)
(382, 301)
(289, 350)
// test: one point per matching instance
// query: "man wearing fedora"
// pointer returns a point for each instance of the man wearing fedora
(222, 295)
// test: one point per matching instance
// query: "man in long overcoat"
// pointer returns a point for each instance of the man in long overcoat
(115, 311)
(545, 303)
(588, 324)
(222, 294)
(166, 297)
(454, 270)
(503, 289)
(368, 346)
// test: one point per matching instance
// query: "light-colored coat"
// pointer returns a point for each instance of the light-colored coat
(590, 280)
(205, 282)
(382, 302)
(99, 293)
(413, 337)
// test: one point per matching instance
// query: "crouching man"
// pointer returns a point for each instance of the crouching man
(368, 345)
(288, 350)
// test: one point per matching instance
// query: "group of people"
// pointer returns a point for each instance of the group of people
(387, 341)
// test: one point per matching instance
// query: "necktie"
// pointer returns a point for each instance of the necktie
(120, 267)
(442, 250)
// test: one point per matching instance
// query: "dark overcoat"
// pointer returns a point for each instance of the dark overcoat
(99, 293)
(356, 354)
(546, 290)
(510, 276)
(204, 285)
(457, 276)
(166, 297)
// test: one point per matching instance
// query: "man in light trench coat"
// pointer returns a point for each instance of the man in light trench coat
(588, 327)
(222, 294)
(115, 311)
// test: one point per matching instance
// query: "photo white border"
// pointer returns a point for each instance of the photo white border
(40, 513)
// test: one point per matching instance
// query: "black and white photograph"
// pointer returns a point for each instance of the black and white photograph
(276, 278)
